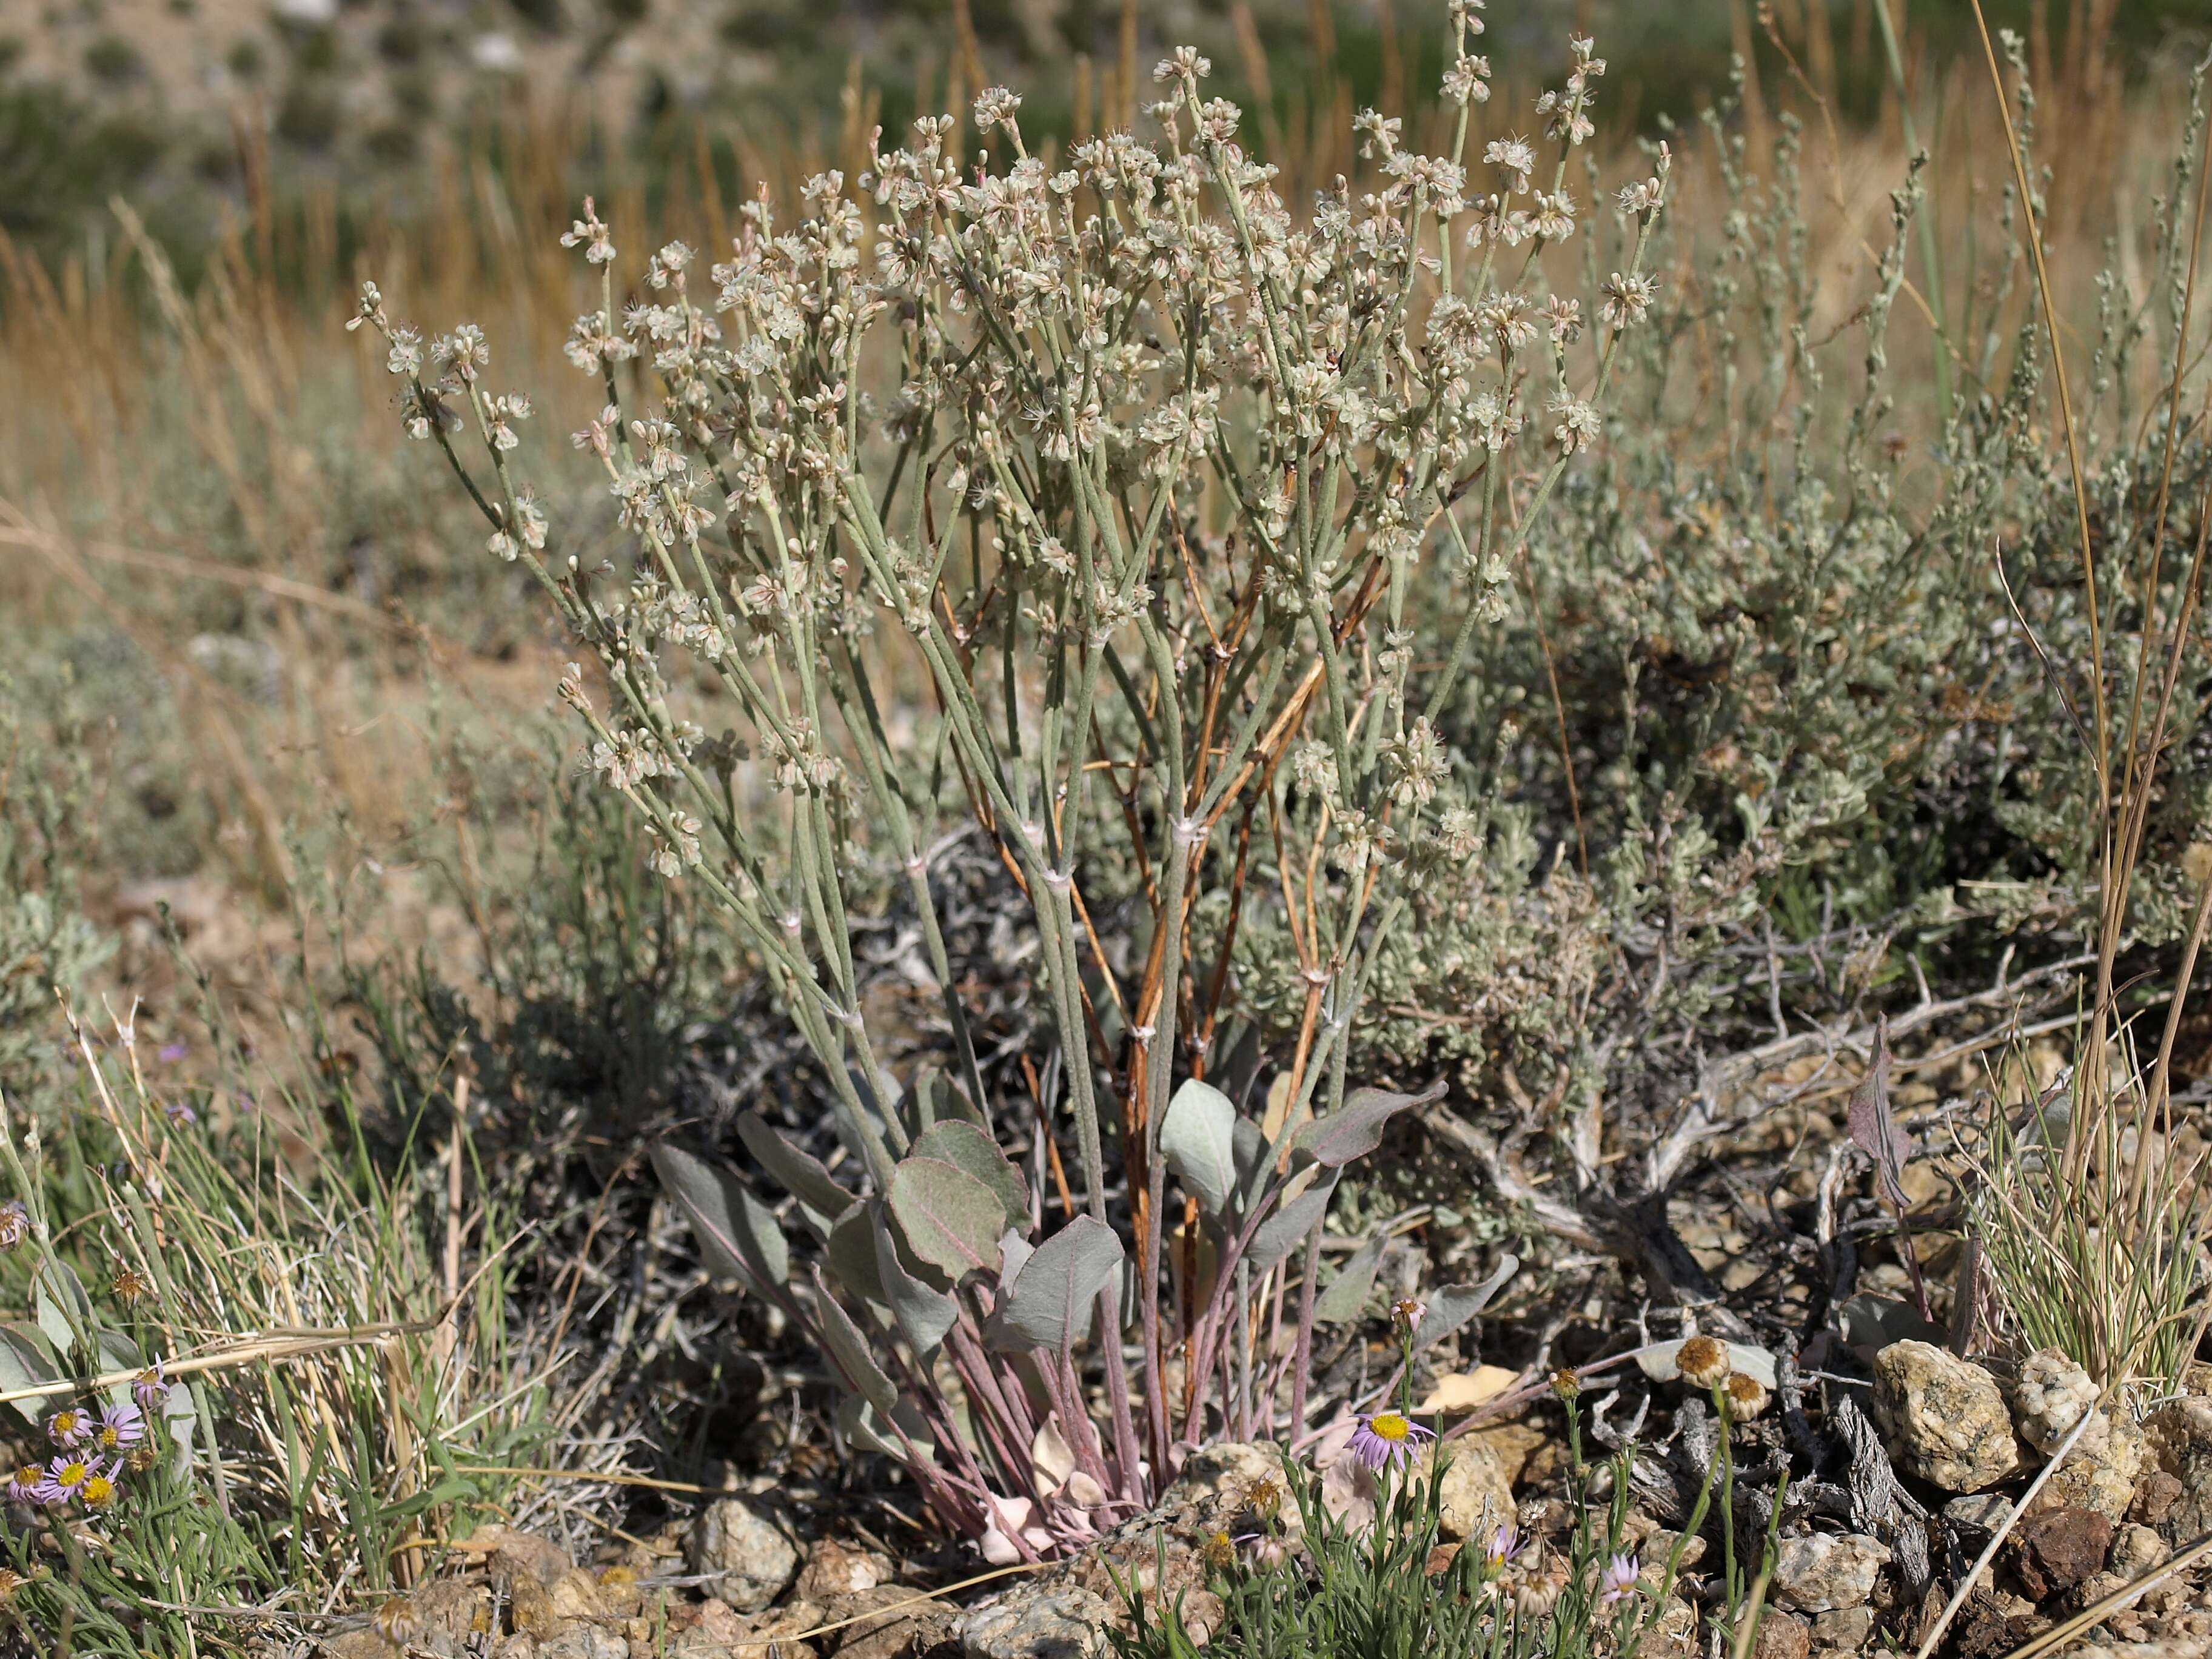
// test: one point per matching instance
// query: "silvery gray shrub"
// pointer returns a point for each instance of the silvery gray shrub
(1083, 509)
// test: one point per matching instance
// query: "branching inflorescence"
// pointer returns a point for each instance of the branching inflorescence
(1133, 464)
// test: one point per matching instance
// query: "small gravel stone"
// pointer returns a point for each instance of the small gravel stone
(2050, 1397)
(1844, 1630)
(2135, 1551)
(747, 1557)
(1782, 1636)
(1825, 1571)
(2056, 1550)
(1946, 1420)
(2180, 1436)
(1066, 1623)
(583, 1641)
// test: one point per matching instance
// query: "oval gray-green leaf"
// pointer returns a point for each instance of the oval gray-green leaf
(25, 1364)
(1348, 1292)
(1052, 1302)
(1283, 1231)
(797, 1173)
(966, 1147)
(1355, 1128)
(63, 1311)
(1453, 1306)
(946, 1217)
(737, 1234)
(861, 1424)
(924, 1311)
(1198, 1137)
(852, 1252)
(850, 1351)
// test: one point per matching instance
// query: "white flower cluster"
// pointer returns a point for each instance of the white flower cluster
(1132, 428)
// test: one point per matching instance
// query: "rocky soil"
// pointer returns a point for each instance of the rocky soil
(1912, 1475)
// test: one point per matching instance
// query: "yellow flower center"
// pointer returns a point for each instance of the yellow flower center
(65, 1423)
(1390, 1427)
(109, 1439)
(28, 1476)
(99, 1490)
(73, 1475)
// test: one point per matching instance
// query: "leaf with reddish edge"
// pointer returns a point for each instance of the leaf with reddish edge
(1052, 1302)
(796, 1172)
(1355, 1128)
(969, 1149)
(946, 1217)
(1875, 1128)
(737, 1234)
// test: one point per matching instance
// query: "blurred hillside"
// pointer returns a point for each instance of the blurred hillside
(186, 105)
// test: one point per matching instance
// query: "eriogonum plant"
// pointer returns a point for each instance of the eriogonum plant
(1065, 509)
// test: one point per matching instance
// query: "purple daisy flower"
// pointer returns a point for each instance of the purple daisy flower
(14, 1223)
(1505, 1546)
(180, 1112)
(65, 1477)
(1387, 1437)
(120, 1428)
(70, 1427)
(1617, 1582)
(23, 1484)
(99, 1489)
(150, 1389)
(173, 1052)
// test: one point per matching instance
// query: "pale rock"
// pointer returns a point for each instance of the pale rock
(583, 1640)
(744, 1554)
(2101, 1471)
(1477, 1494)
(1946, 1420)
(1844, 1630)
(1657, 1550)
(835, 1569)
(2180, 1439)
(2052, 1395)
(511, 1552)
(2137, 1551)
(1824, 1571)
(1064, 1623)
(1673, 1634)
(908, 1626)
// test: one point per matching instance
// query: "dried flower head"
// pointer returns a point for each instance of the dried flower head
(14, 1223)
(1565, 1383)
(395, 1621)
(130, 1287)
(1746, 1395)
(1703, 1363)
